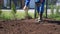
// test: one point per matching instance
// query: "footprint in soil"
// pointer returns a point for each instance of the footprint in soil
(55, 28)
(1, 27)
(31, 31)
(53, 25)
(15, 24)
(12, 25)
(2, 21)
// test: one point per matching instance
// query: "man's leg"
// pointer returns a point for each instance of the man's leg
(26, 7)
(5, 3)
(41, 11)
(38, 10)
(26, 11)
(41, 16)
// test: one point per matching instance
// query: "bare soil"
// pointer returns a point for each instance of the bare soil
(29, 26)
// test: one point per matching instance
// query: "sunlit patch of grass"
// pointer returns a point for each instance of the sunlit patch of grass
(20, 15)
(7, 15)
(55, 16)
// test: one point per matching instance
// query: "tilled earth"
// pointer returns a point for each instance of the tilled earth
(28, 26)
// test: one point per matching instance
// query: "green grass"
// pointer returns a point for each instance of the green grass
(21, 15)
(55, 16)
(7, 15)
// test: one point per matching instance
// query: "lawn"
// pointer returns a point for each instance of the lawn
(7, 15)
(19, 15)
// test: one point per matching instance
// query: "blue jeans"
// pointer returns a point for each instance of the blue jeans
(40, 8)
(5, 3)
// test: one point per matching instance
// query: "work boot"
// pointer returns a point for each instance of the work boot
(38, 19)
(41, 20)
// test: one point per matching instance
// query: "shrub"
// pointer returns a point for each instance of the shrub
(52, 10)
(57, 10)
(13, 7)
(0, 9)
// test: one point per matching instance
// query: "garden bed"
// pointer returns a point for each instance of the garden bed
(28, 26)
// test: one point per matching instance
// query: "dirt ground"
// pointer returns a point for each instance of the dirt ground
(28, 26)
